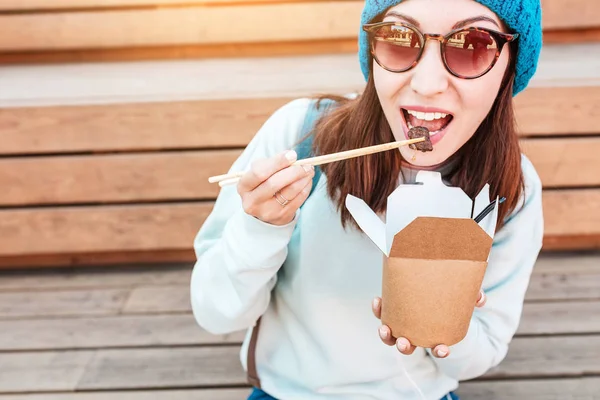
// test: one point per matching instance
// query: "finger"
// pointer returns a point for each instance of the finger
(282, 179)
(441, 351)
(262, 170)
(292, 190)
(376, 307)
(285, 214)
(482, 299)
(385, 333)
(404, 346)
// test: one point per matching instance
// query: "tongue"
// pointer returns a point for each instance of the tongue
(433, 126)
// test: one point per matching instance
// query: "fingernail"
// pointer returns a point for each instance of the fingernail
(376, 303)
(291, 156)
(307, 168)
(402, 345)
(481, 299)
(442, 353)
(383, 332)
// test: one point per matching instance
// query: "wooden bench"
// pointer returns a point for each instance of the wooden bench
(134, 29)
(113, 168)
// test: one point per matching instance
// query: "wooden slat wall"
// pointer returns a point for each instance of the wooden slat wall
(71, 199)
(79, 25)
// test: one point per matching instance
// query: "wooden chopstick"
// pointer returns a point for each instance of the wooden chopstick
(231, 178)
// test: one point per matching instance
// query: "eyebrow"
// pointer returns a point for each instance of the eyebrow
(457, 25)
(468, 21)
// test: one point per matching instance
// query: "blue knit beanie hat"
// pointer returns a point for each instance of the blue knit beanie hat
(521, 16)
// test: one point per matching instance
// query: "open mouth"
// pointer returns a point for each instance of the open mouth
(435, 122)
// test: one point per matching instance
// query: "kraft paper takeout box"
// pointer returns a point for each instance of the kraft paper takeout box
(435, 257)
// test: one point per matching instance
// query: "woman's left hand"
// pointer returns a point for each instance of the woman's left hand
(403, 344)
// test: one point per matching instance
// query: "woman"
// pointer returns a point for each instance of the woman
(309, 275)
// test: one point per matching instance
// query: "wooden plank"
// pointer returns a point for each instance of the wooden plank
(534, 389)
(226, 50)
(42, 371)
(568, 356)
(536, 110)
(572, 222)
(553, 9)
(217, 366)
(163, 368)
(562, 14)
(232, 123)
(530, 389)
(550, 357)
(209, 24)
(62, 303)
(565, 162)
(552, 270)
(113, 178)
(192, 394)
(96, 332)
(182, 25)
(158, 299)
(125, 276)
(542, 287)
(183, 175)
(115, 258)
(16, 6)
(565, 277)
(538, 318)
(572, 36)
(101, 229)
(140, 126)
(209, 79)
(560, 317)
(572, 219)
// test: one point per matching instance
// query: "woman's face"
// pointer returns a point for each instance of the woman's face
(422, 95)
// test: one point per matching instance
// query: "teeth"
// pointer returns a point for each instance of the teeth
(426, 116)
(410, 126)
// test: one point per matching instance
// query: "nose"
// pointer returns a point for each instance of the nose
(429, 77)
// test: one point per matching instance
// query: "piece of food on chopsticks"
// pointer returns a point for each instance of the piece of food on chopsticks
(419, 132)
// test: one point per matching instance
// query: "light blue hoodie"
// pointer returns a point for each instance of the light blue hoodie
(313, 282)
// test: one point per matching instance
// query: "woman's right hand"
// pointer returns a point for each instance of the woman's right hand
(273, 189)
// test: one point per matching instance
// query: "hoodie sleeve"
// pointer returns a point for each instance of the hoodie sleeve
(514, 252)
(238, 256)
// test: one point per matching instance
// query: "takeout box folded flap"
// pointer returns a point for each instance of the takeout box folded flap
(434, 238)
(368, 221)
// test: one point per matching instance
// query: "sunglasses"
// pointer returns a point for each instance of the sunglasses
(467, 53)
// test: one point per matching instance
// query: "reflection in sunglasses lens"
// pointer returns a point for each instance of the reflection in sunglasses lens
(470, 53)
(396, 47)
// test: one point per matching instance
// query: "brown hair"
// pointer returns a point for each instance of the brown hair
(361, 122)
